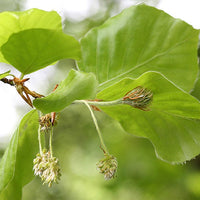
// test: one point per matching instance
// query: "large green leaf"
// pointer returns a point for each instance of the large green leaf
(172, 124)
(141, 39)
(13, 22)
(16, 166)
(33, 49)
(77, 85)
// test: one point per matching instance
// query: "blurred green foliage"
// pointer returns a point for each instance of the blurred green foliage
(141, 176)
(11, 5)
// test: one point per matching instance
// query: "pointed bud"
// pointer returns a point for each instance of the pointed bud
(139, 97)
(108, 166)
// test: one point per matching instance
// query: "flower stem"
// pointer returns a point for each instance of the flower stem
(21, 76)
(39, 140)
(96, 125)
(40, 135)
(50, 142)
(99, 103)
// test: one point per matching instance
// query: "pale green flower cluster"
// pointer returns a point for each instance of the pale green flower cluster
(47, 168)
(108, 166)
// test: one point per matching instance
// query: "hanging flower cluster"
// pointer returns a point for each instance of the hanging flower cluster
(47, 167)
(108, 166)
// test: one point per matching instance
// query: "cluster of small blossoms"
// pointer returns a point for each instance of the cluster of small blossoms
(47, 168)
(45, 122)
(108, 166)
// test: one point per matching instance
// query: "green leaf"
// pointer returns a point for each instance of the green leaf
(33, 49)
(196, 90)
(77, 85)
(3, 75)
(13, 22)
(16, 166)
(7, 164)
(140, 39)
(172, 124)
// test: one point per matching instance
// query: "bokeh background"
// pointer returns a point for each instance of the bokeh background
(141, 176)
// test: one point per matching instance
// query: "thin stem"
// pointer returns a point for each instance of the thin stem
(76, 65)
(8, 81)
(50, 142)
(39, 135)
(21, 76)
(39, 139)
(12, 75)
(99, 103)
(96, 125)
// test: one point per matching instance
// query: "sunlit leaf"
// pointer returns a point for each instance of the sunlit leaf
(172, 124)
(13, 22)
(77, 85)
(140, 39)
(33, 49)
(16, 165)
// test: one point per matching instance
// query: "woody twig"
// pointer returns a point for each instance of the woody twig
(24, 92)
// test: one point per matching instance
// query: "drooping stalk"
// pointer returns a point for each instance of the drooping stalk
(96, 125)
(39, 134)
(50, 141)
(39, 139)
